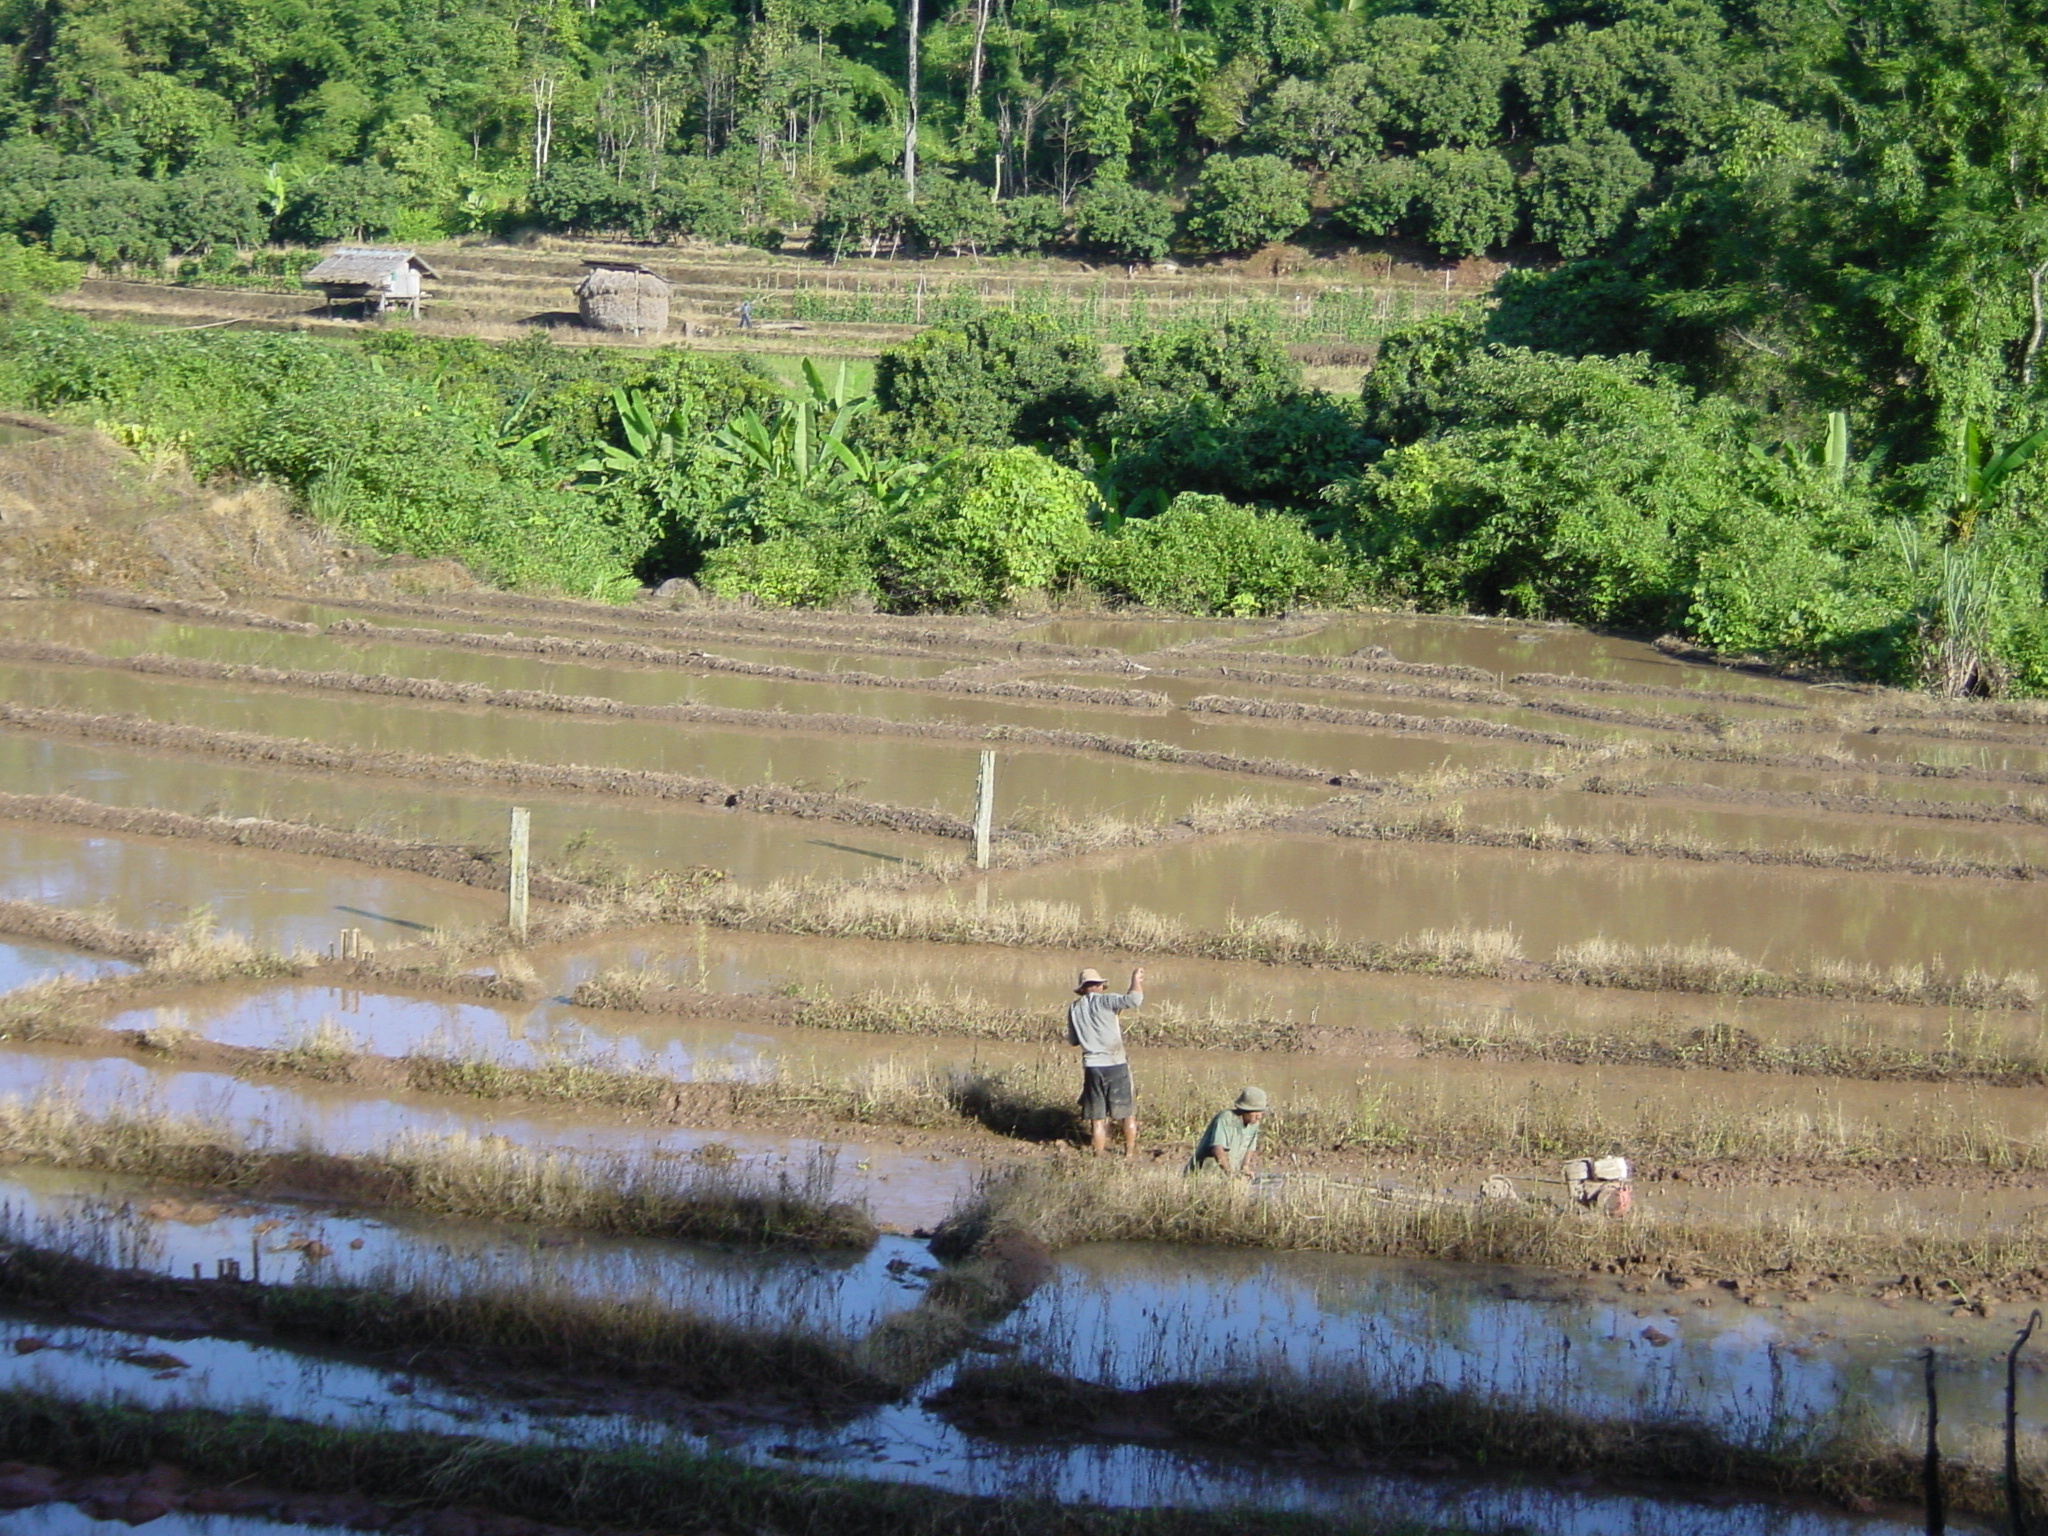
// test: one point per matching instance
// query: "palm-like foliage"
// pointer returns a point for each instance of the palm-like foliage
(1981, 473)
(646, 439)
(802, 441)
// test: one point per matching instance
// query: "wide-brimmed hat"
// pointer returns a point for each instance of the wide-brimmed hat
(1090, 977)
(1251, 1099)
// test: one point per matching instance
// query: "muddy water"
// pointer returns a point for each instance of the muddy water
(625, 834)
(278, 901)
(134, 1224)
(794, 654)
(1385, 891)
(1970, 756)
(1506, 650)
(115, 632)
(897, 1444)
(1357, 1013)
(25, 960)
(904, 1188)
(1184, 690)
(1845, 780)
(1138, 636)
(1775, 830)
(939, 775)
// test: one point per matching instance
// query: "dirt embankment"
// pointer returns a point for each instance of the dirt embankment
(77, 510)
(1819, 800)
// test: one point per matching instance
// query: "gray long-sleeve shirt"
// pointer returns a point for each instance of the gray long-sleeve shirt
(1092, 1024)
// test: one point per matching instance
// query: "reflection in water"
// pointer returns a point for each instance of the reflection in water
(25, 960)
(900, 1443)
(277, 901)
(135, 1224)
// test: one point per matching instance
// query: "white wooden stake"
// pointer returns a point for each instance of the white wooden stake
(984, 808)
(516, 914)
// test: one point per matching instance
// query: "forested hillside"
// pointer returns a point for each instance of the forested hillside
(1766, 371)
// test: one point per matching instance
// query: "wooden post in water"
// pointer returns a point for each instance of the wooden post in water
(984, 808)
(2015, 1501)
(1930, 1464)
(516, 911)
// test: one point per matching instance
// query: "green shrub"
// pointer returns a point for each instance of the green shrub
(1123, 222)
(1033, 224)
(862, 216)
(763, 237)
(955, 215)
(984, 529)
(1207, 555)
(1243, 202)
(29, 273)
(1000, 378)
(791, 572)
(1582, 191)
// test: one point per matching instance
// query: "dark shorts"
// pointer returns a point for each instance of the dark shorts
(1106, 1093)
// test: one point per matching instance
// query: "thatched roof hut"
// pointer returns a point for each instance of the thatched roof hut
(372, 276)
(623, 296)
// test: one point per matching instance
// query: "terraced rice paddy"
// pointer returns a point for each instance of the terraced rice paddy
(767, 1121)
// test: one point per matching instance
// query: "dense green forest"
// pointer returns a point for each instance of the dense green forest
(1766, 370)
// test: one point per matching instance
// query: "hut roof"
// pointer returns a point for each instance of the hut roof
(619, 277)
(364, 264)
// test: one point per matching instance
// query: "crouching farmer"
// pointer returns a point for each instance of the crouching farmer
(1106, 1091)
(1231, 1143)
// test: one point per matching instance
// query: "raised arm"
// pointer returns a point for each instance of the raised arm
(1137, 993)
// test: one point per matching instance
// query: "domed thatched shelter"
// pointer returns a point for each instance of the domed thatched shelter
(623, 296)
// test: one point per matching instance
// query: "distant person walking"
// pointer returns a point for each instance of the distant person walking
(746, 314)
(1231, 1142)
(1106, 1091)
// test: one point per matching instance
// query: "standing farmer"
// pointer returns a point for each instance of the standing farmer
(1106, 1092)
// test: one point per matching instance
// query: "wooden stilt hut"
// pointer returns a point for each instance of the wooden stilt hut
(623, 296)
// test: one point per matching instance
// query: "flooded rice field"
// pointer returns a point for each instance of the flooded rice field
(586, 831)
(1827, 1185)
(1372, 890)
(278, 901)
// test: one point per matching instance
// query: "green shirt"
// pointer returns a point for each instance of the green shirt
(1229, 1132)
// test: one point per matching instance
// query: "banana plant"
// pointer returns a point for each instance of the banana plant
(645, 440)
(1981, 473)
(801, 440)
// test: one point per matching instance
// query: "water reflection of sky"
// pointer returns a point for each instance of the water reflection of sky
(24, 960)
(1132, 1316)
(903, 1187)
(70, 1520)
(900, 1443)
(136, 1225)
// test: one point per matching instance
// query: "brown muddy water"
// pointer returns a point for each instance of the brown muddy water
(1333, 749)
(1140, 636)
(278, 901)
(1348, 1013)
(931, 774)
(1772, 830)
(1378, 891)
(584, 830)
(1506, 650)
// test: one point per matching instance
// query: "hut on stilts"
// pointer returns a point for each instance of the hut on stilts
(623, 297)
